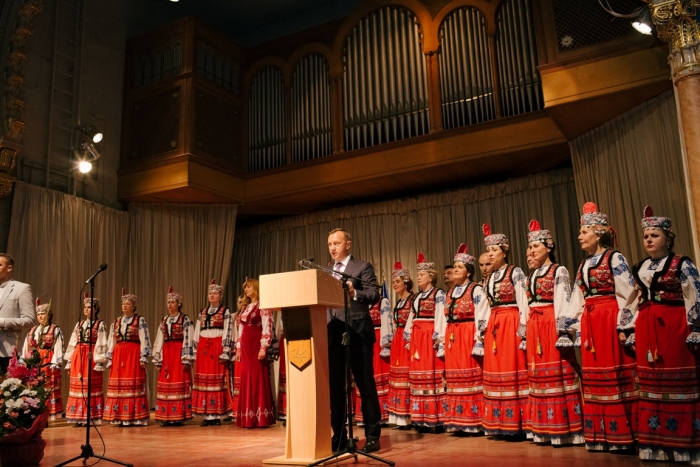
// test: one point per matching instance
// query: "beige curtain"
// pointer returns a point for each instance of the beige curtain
(433, 224)
(58, 241)
(629, 162)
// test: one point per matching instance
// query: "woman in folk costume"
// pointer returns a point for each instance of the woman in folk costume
(282, 380)
(555, 409)
(241, 303)
(462, 351)
(400, 358)
(667, 341)
(212, 343)
(128, 349)
(47, 339)
(173, 356)
(380, 313)
(255, 406)
(505, 373)
(608, 362)
(88, 333)
(421, 336)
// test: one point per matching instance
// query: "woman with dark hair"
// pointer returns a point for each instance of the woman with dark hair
(128, 349)
(607, 324)
(212, 344)
(463, 360)
(554, 408)
(173, 356)
(421, 336)
(667, 337)
(503, 328)
(88, 332)
(400, 358)
(255, 406)
(47, 339)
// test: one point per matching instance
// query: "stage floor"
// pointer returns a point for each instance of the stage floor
(192, 445)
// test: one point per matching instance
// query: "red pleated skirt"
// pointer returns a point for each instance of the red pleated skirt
(126, 400)
(555, 408)
(209, 399)
(54, 401)
(76, 406)
(425, 373)
(399, 397)
(255, 406)
(463, 378)
(381, 377)
(174, 390)
(505, 375)
(610, 395)
(282, 393)
(669, 405)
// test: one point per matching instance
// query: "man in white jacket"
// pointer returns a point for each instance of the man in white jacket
(16, 310)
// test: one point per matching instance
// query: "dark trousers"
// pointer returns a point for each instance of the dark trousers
(361, 365)
(4, 363)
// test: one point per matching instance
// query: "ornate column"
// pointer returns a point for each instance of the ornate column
(12, 129)
(676, 23)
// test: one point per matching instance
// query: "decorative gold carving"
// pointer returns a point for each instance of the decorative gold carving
(15, 130)
(299, 353)
(676, 24)
(6, 185)
(8, 158)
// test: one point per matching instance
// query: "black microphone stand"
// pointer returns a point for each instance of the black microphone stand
(86, 450)
(351, 447)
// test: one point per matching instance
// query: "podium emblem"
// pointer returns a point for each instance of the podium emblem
(299, 353)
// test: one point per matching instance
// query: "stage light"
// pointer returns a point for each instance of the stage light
(90, 150)
(91, 132)
(642, 23)
(84, 167)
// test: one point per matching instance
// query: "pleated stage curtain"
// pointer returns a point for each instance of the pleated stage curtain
(58, 241)
(633, 160)
(434, 224)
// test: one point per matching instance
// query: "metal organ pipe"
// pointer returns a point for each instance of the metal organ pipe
(385, 80)
(311, 122)
(267, 135)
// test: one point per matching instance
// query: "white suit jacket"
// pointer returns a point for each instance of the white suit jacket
(16, 312)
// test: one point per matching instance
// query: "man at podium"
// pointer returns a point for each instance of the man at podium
(362, 297)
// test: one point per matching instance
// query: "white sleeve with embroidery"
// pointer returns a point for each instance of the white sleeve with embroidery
(409, 322)
(145, 339)
(25, 348)
(71, 345)
(567, 309)
(110, 345)
(625, 293)
(158, 348)
(195, 337)
(187, 354)
(100, 352)
(266, 337)
(386, 330)
(520, 288)
(57, 359)
(226, 341)
(690, 284)
(440, 321)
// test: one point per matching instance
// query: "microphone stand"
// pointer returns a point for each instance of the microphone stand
(351, 447)
(86, 450)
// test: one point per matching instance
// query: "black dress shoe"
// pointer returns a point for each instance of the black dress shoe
(372, 445)
(205, 423)
(216, 422)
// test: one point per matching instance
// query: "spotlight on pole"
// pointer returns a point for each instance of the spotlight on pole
(85, 166)
(642, 23)
(91, 132)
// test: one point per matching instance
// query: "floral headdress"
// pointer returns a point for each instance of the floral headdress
(423, 265)
(537, 234)
(45, 308)
(174, 296)
(128, 297)
(463, 256)
(657, 222)
(591, 217)
(214, 287)
(494, 239)
(86, 300)
(400, 271)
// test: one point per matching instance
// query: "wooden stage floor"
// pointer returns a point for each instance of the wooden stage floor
(192, 445)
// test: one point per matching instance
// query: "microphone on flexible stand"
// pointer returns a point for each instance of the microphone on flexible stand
(306, 262)
(102, 267)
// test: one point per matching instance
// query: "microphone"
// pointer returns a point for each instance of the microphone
(306, 261)
(102, 267)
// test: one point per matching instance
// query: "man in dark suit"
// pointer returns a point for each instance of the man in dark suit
(16, 310)
(362, 297)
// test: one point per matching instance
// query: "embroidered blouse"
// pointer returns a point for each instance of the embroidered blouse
(124, 324)
(551, 284)
(478, 300)
(385, 322)
(438, 316)
(166, 329)
(226, 333)
(54, 341)
(494, 283)
(78, 337)
(247, 318)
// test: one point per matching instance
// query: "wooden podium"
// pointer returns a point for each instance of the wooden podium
(303, 297)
